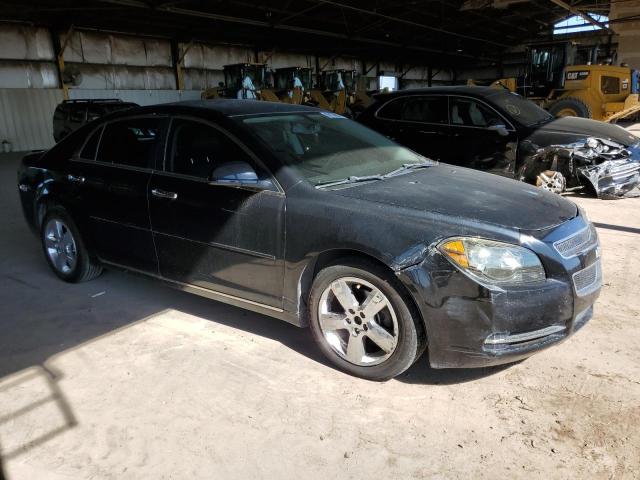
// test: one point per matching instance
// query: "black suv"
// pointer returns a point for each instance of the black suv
(72, 114)
(501, 132)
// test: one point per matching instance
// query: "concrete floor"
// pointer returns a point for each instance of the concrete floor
(124, 378)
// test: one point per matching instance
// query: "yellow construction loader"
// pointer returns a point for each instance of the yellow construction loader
(340, 92)
(586, 89)
(244, 81)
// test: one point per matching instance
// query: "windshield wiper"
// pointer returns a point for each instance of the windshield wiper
(352, 179)
(407, 167)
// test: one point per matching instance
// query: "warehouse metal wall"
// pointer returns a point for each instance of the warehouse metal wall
(132, 68)
(26, 114)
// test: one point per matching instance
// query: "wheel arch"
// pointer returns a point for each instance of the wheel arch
(335, 256)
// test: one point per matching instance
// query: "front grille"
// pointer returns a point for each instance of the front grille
(578, 242)
(588, 280)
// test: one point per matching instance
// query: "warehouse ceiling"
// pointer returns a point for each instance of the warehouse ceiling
(439, 32)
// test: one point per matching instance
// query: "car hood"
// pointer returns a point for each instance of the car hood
(574, 129)
(469, 194)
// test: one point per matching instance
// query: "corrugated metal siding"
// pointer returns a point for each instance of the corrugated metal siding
(26, 114)
(26, 117)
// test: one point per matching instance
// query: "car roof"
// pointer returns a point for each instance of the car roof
(469, 90)
(231, 107)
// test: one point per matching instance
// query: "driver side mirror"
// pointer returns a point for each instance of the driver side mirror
(239, 174)
(499, 129)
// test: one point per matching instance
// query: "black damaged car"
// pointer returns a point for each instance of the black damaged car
(314, 219)
(500, 132)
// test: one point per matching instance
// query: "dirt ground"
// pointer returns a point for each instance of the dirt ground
(123, 378)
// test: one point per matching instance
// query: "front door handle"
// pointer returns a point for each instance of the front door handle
(75, 179)
(164, 194)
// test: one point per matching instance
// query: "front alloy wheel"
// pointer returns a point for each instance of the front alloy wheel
(552, 181)
(358, 321)
(363, 320)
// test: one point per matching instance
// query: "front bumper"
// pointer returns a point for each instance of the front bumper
(470, 325)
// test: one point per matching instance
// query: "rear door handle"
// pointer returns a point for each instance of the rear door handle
(164, 194)
(75, 179)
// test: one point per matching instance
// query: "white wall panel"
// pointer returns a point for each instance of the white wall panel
(25, 43)
(28, 75)
(26, 117)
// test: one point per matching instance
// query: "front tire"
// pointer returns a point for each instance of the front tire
(363, 323)
(64, 248)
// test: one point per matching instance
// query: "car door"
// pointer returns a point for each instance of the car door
(418, 122)
(111, 175)
(480, 137)
(225, 237)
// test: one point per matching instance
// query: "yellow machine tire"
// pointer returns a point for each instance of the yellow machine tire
(570, 107)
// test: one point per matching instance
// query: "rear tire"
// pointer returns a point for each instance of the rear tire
(64, 248)
(362, 321)
(570, 107)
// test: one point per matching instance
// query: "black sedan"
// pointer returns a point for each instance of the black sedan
(500, 132)
(314, 219)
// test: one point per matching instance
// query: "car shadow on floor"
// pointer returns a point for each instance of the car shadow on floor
(130, 298)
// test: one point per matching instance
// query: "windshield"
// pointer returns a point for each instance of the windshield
(324, 147)
(523, 111)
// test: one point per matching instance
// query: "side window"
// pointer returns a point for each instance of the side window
(425, 109)
(95, 111)
(392, 109)
(195, 149)
(78, 113)
(61, 112)
(89, 150)
(131, 142)
(609, 85)
(468, 112)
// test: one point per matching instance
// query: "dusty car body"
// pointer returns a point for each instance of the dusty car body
(316, 220)
(500, 132)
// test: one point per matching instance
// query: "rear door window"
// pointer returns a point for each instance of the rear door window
(78, 113)
(425, 109)
(132, 142)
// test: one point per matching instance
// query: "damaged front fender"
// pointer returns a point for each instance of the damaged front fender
(608, 168)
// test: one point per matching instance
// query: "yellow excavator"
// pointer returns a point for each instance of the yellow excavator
(568, 82)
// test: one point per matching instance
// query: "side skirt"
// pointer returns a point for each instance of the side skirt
(215, 295)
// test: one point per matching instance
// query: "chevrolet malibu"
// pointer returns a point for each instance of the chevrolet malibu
(308, 217)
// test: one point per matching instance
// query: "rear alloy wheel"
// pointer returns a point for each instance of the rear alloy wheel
(64, 249)
(362, 324)
(60, 246)
(551, 181)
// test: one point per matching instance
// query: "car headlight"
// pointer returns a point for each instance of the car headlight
(494, 263)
